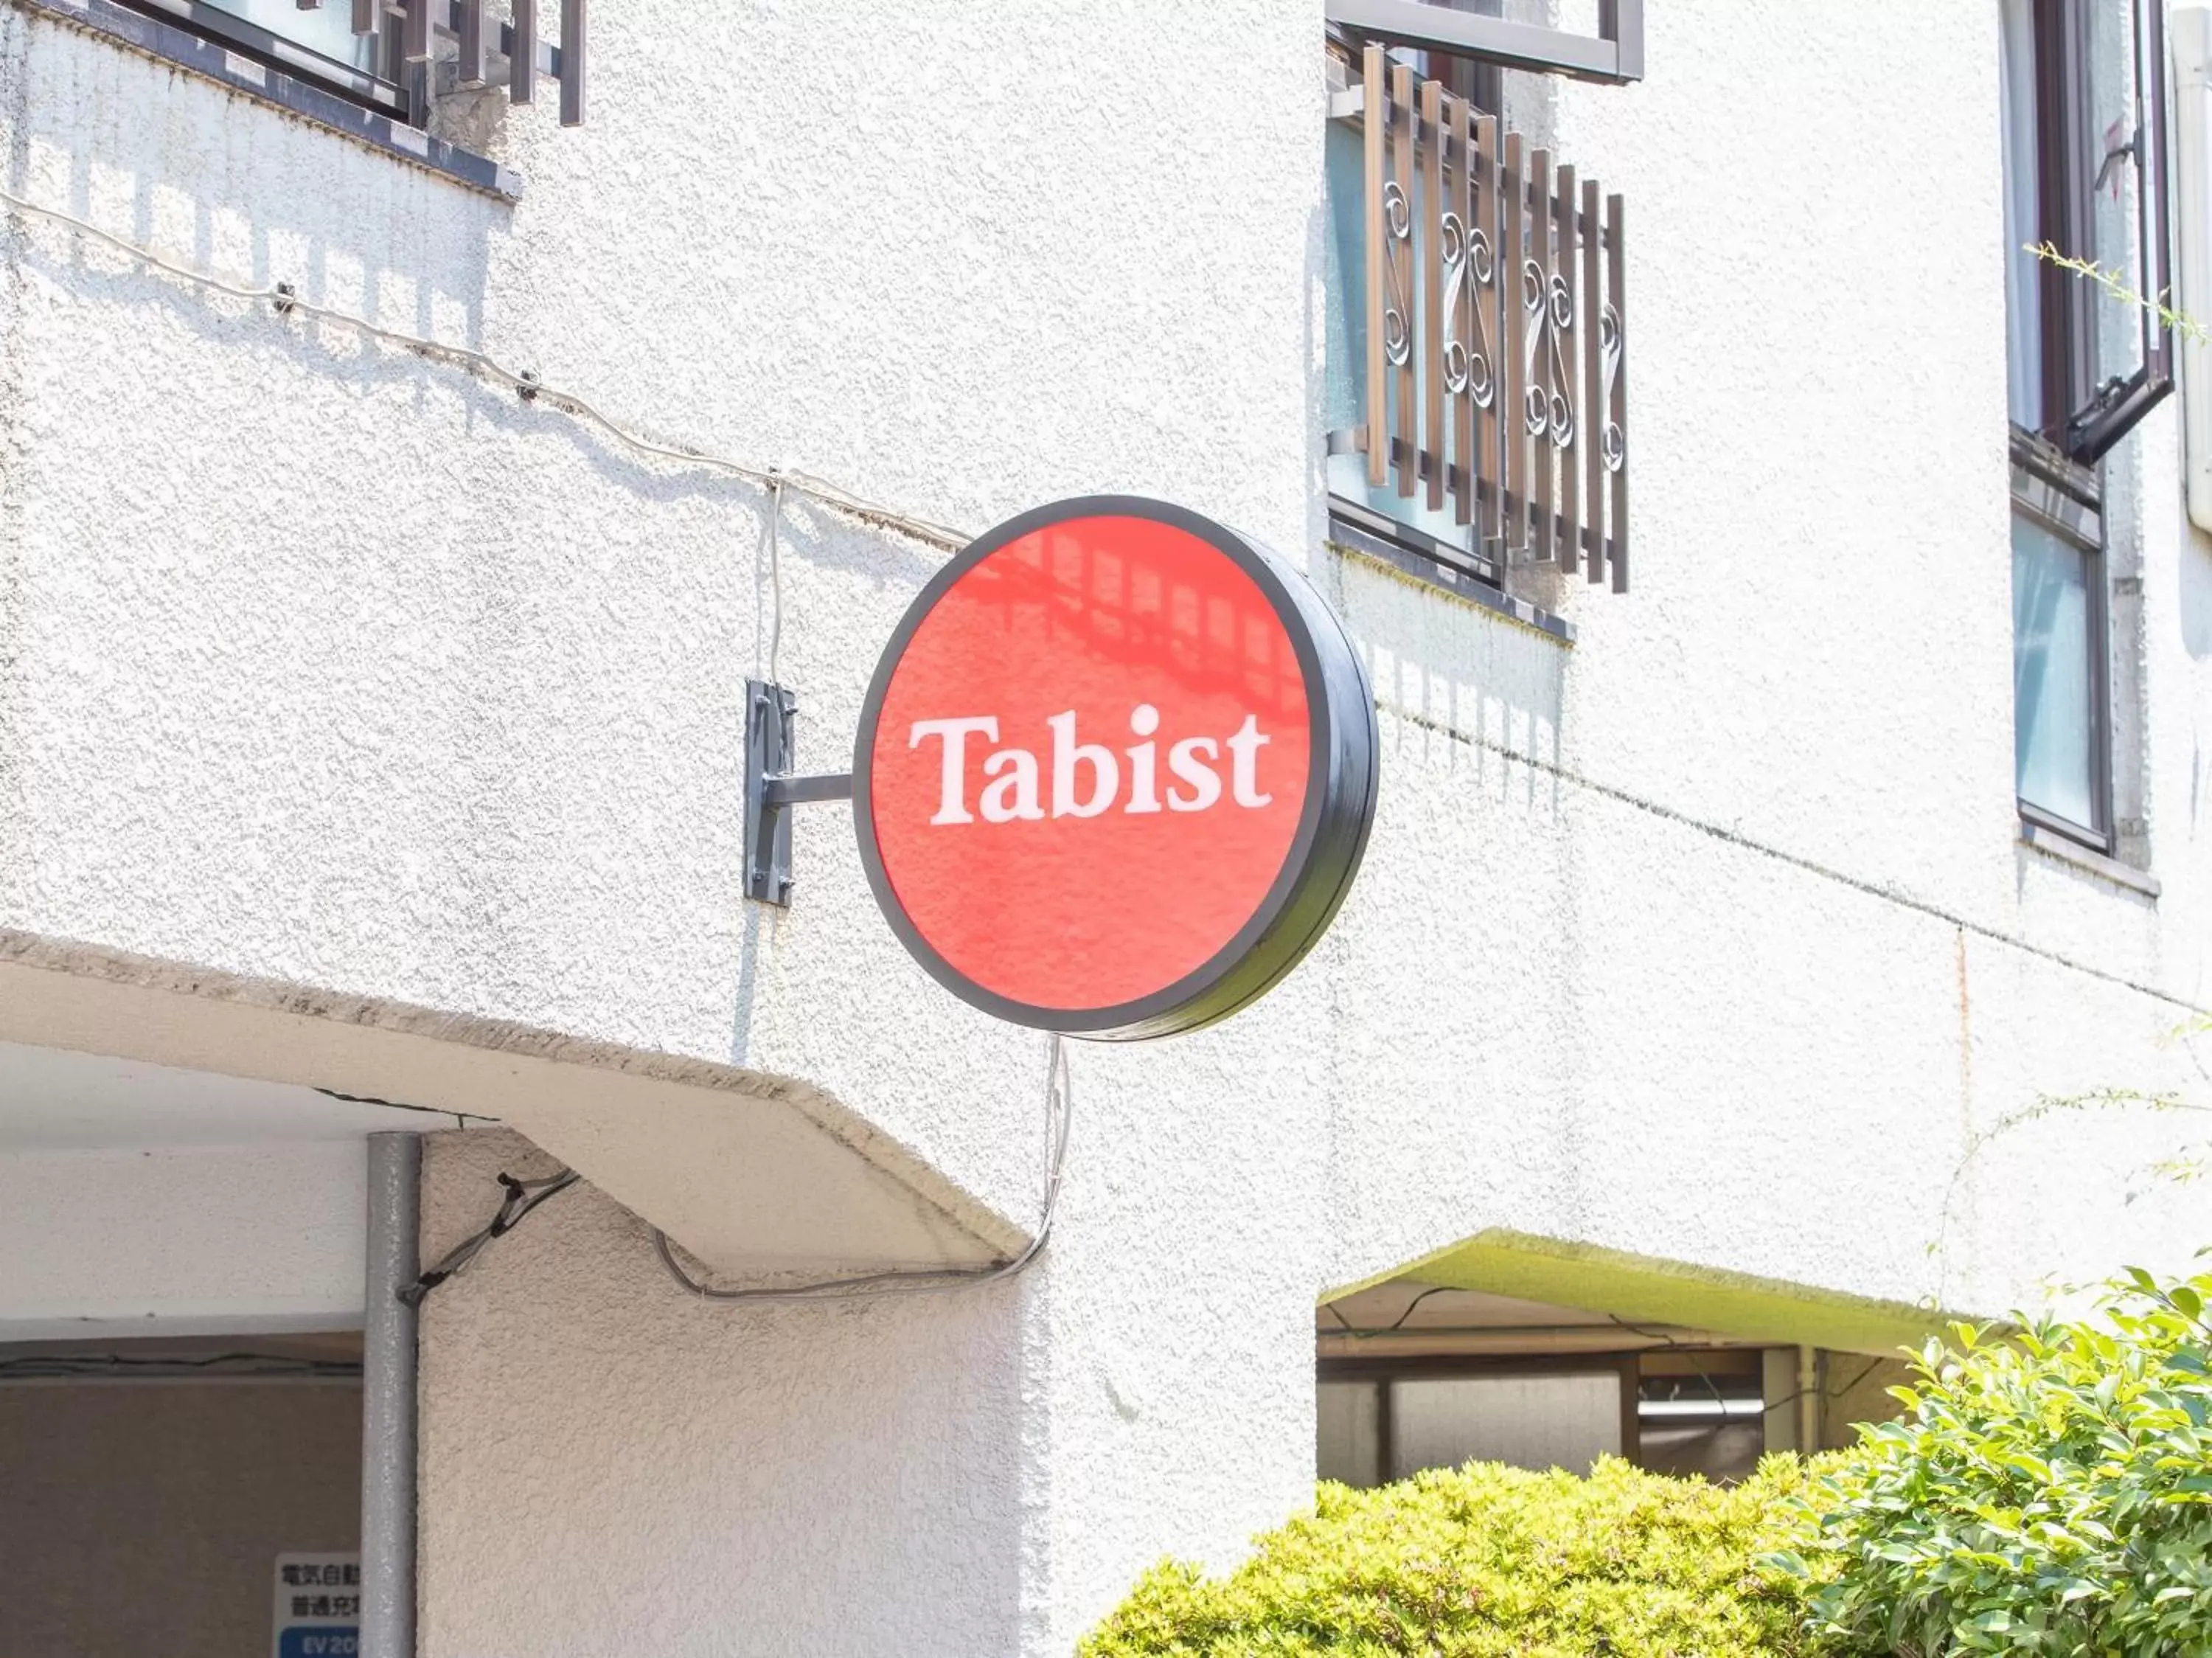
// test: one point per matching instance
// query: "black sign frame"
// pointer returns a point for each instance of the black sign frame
(1333, 822)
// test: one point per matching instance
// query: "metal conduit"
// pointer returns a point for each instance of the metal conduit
(387, 1400)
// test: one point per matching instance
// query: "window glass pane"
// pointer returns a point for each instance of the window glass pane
(1531, 1422)
(1350, 1412)
(2116, 332)
(2054, 713)
(327, 30)
(2023, 287)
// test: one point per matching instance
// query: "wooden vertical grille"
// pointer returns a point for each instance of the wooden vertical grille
(1495, 372)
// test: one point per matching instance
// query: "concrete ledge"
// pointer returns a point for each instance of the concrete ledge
(2052, 845)
(749, 1172)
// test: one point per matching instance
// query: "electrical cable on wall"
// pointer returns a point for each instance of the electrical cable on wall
(170, 1367)
(287, 301)
(522, 1197)
(909, 1281)
(775, 573)
(525, 1196)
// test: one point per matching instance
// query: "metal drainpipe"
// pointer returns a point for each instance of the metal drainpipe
(387, 1400)
(1808, 1401)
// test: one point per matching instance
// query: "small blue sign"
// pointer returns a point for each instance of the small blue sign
(317, 1640)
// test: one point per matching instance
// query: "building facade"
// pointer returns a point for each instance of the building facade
(1739, 949)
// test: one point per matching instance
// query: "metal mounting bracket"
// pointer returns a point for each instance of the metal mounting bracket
(771, 788)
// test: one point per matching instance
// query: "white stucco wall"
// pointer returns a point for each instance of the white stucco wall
(1710, 940)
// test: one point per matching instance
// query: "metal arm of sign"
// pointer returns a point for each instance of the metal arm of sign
(771, 722)
(792, 789)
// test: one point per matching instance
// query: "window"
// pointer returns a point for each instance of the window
(388, 57)
(317, 44)
(2058, 663)
(325, 30)
(1679, 1411)
(1476, 394)
(1381, 1422)
(1411, 1375)
(2081, 100)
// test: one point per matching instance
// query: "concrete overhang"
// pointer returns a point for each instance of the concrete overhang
(1644, 1289)
(750, 1172)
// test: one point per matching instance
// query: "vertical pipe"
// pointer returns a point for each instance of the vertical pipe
(387, 1400)
(1808, 1400)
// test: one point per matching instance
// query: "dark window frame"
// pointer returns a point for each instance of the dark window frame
(2056, 496)
(2081, 417)
(1451, 1367)
(1614, 54)
(403, 97)
(2056, 469)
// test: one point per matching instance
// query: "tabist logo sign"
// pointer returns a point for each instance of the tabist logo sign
(1115, 771)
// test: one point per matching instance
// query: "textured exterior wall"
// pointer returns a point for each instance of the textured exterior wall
(148, 1516)
(1710, 940)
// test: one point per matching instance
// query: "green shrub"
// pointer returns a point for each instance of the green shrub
(1488, 1559)
(2047, 1493)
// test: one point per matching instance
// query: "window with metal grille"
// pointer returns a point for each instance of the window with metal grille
(392, 56)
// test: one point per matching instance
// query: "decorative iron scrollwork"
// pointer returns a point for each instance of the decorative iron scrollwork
(1614, 445)
(1468, 265)
(1397, 325)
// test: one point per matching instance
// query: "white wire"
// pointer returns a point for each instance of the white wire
(489, 367)
(775, 573)
(1057, 1121)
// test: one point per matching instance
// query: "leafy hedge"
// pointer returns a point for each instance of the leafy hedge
(1490, 1560)
(2048, 1493)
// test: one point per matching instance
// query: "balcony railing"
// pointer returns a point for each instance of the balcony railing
(1486, 333)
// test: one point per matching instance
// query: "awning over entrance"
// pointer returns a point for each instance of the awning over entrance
(750, 1172)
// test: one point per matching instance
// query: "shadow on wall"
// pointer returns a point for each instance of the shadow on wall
(351, 229)
(2194, 602)
(1477, 692)
(2193, 595)
(213, 179)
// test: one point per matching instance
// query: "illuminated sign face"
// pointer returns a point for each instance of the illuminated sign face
(1115, 771)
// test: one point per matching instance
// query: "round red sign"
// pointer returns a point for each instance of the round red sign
(1115, 769)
